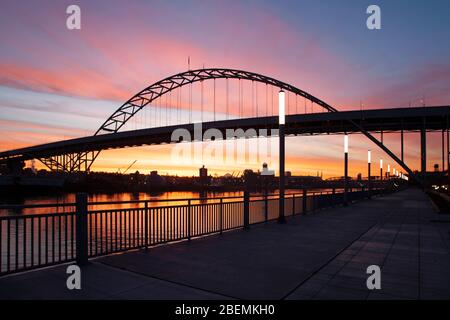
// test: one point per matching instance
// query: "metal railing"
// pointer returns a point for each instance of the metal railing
(82, 230)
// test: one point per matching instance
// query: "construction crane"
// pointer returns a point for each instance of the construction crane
(118, 171)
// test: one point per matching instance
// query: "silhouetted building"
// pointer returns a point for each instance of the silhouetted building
(301, 181)
(155, 179)
(203, 174)
(250, 178)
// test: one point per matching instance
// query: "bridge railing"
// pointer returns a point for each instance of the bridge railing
(61, 233)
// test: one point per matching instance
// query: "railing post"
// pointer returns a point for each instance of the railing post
(333, 197)
(146, 224)
(221, 216)
(189, 220)
(246, 210)
(304, 200)
(81, 229)
(266, 207)
(293, 204)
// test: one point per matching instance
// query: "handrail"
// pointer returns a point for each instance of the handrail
(100, 203)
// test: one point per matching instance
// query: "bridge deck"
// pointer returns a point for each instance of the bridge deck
(386, 120)
(319, 256)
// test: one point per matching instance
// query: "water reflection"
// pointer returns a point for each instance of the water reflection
(172, 198)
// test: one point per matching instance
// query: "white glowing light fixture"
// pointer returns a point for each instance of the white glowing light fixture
(369, 156)
(346, 143)
(389, 168)
(281, 107)
(381, 163)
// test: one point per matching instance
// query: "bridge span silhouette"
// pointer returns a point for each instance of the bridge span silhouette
(79, 154)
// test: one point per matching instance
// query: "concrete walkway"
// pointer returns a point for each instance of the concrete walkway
(323, 255)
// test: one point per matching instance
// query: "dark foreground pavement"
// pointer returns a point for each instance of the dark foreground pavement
(323, 255)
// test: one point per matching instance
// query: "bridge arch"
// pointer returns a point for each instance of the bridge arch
(160, 88)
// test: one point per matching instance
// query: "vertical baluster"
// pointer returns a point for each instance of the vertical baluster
(90, 233)
(53, 238)
(132, 227)
(115, 230)
(39, 240)
(121, 217)
(17, 243)
(8, 245)
(72, 236)
(221, 215)
(136, 228)
(101, 232)
(106, 232)
(146, 224)
(111, 230)
(65, 236)
(177, 210)
(189, 220)
(160, 222)
(96, 236)
(166, 221)
(152, 230)
(46, 239)
(59, 238)
(24, 240)
(1, 245)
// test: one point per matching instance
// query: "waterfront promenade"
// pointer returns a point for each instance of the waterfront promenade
(322, 255)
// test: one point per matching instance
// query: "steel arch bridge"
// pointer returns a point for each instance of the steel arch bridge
(83, 160)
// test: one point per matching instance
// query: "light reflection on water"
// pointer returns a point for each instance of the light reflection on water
(157, 200)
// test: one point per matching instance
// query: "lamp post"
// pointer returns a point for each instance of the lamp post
(369, 161)
(345, 168)
(389, 172)
(381, 170)
(281, 123)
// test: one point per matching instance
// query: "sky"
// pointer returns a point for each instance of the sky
(57, 83)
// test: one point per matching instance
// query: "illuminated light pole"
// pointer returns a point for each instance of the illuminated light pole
(369, 162)
(345, 168)
(389, 171)
(381, 169)
(281, 123)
